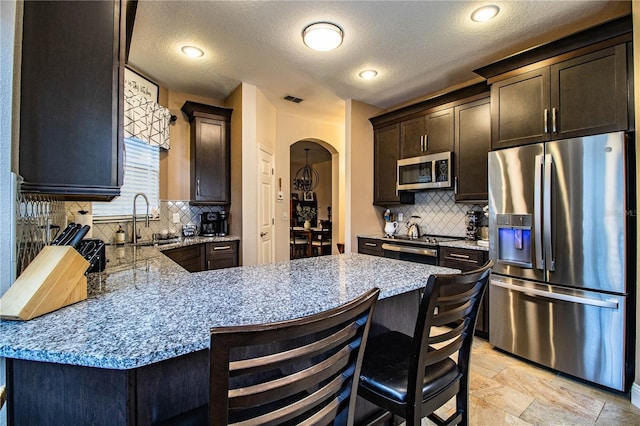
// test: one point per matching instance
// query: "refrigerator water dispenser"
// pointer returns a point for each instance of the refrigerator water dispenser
(514, 240)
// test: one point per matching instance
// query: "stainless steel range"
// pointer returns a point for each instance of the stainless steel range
(422, 249)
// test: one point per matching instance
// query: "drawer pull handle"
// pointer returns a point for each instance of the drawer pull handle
(222, 248)
(371, 244)
(458, 259)
(459, 256)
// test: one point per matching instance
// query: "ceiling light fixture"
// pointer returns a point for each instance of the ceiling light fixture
(368, 74)
(192, 51)
(307, 177)
(485, 13)
(322, 36)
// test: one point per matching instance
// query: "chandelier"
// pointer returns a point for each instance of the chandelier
(307, 177)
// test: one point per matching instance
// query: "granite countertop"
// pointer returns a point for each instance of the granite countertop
(144, 308)
(462, 243)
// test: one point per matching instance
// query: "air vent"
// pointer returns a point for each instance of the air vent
(293, 99)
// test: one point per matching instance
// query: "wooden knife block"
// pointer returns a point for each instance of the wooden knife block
(54, 279)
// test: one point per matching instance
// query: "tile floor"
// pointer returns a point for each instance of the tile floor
(505, 390)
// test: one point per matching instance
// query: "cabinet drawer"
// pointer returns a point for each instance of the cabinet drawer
(222, 254)
(370, 246)
(463, 259)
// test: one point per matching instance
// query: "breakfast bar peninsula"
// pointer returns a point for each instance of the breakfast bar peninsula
(136, 351)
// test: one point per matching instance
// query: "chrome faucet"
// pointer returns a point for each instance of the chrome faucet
(146, 218)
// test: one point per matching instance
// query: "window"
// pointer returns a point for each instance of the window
(141, 174)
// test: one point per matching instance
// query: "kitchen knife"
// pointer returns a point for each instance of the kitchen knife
(75, 240)
(66, 235)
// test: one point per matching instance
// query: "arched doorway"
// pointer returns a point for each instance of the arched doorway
(310, 159)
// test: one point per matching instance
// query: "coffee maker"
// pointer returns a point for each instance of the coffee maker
(213, 224)
(209, 224)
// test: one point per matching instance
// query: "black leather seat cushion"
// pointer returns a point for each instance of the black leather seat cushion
(385, 369)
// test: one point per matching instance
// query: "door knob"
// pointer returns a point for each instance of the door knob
(262, 234)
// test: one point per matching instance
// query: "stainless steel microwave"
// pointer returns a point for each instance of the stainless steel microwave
(431, 171)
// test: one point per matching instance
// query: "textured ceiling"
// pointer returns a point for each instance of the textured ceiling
(418, 47)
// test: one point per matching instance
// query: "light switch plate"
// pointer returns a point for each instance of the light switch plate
(176, 217)
(285, 216)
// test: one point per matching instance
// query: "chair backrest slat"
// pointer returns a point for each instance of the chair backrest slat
(457, 309)
(254, 365)
(297, 371)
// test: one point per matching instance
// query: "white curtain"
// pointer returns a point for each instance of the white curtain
(145, 120)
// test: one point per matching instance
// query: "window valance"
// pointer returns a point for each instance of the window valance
(145, 120)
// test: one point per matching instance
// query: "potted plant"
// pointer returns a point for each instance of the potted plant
(306, 213)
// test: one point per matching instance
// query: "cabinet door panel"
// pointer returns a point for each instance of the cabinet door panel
(473, 142)
(440, 138)
(70, 121)
(413, 134)
(518, 109)
(590, 93)
(211, 162)
(386, 152)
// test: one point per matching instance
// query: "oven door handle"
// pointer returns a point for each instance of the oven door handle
(412, 250)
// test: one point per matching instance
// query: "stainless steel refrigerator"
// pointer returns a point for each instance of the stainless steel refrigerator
(562, 237)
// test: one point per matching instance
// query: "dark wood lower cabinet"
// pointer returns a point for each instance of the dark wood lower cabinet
(468, 260)
(205, 257)
(370, 246)
(190, 257)
(221, 255)
(44, 393)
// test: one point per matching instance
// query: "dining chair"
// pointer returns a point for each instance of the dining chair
(321, 243)
(411, 377)
(299, 244)
(300, 371)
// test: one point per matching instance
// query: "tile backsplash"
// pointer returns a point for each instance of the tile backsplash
(106, 229)
(439, 213)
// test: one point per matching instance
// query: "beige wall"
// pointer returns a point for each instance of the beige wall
(175, 164)
(362, 217)
(635, 391)
(291, 129)
(234, 101)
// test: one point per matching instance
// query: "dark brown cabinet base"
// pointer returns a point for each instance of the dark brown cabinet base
(205, 257)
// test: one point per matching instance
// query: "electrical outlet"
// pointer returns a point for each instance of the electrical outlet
(176, 217)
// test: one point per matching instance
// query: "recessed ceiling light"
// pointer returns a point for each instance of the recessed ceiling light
(368, 74)
(322, 36)
(192, 51)
(485, 13)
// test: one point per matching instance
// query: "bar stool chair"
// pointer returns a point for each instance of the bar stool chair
(411, 377)
(301, 371)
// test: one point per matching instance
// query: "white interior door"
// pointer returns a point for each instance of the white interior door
(266, 207)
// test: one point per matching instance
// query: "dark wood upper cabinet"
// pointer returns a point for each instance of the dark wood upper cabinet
(519, 107)
(210, 172)
(71, 99)
(385, 158)
(581, 96)
(440, 137)
(472, 144)
(413, 134)
(427, 134)
(589, 94)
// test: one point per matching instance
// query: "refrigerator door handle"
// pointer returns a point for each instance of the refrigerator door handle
(537, 210)
(611, 304)
(548, 234)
